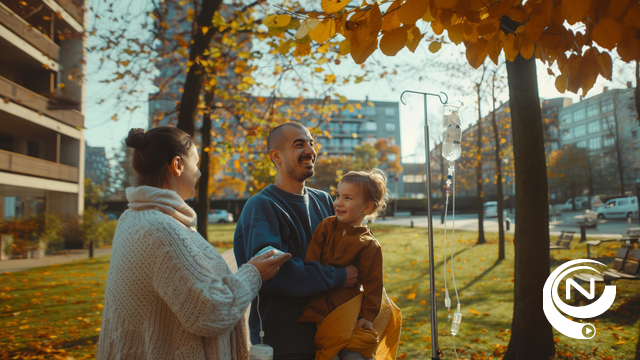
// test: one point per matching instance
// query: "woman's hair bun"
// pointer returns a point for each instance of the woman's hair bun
(137, 139)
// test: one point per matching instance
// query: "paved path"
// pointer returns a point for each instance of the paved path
(26, 264)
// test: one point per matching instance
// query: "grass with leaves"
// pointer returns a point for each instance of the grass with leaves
(56, 311)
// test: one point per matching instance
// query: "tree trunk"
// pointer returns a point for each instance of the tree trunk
(195, 76)
(202, 204)
(496, 138)
(531, 332)
(481, 239)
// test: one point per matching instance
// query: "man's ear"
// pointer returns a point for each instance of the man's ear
(176, 166)
(275, 157)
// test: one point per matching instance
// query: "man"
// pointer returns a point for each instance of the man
(285, 215)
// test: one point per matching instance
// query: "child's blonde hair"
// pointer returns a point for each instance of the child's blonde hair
(373, 184)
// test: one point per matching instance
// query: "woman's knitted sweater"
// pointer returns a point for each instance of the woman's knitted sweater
(170, 295)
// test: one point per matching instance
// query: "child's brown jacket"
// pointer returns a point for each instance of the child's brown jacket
(340, 245)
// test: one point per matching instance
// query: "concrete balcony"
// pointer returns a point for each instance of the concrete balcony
(75, 8)
(28, 33)
(32, 166)
(41, 104)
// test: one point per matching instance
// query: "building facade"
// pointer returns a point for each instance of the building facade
(41, 107)
(606, 126)
(96, 165)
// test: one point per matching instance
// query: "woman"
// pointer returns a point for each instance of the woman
(170, 295)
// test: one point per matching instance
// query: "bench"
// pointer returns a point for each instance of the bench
(633, 235)
(563, 241)
(625, 267)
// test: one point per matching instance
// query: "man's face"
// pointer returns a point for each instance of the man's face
(298, 154)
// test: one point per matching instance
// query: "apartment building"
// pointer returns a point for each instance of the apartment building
(607, 126)
(42, 145)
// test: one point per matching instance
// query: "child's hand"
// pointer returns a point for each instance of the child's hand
(364, 324)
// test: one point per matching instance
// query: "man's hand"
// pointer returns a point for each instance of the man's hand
(352, 276)
(364, 324)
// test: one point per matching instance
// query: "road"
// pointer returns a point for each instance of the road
(608, 228)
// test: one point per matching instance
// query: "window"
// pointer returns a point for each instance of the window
(566, 118)
(582, 144)
(371, 126)
(350, 127)
(390, 126)
(594, 143)
(609, 123)
(623, 202)
(578, 115)
(554, 146)
(389, 111)
(567, 134)
(594, 127)
(608, 140)
(369, 111)
(592, 110)
(554, 132)
(334, 142)
(607, 105)
(579, 131)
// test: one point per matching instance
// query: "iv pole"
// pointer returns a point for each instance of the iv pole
(435, 352)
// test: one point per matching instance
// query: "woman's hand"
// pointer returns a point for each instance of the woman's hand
(267, 266)
(364, 324)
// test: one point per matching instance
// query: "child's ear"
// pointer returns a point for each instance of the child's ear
(369, 208)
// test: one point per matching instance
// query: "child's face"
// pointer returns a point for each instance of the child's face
(350, 205)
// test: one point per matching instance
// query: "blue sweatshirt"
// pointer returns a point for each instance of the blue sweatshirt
(285, 221)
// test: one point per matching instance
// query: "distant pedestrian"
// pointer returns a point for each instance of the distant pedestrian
(170, 294)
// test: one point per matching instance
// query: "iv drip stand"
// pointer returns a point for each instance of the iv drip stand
(435, 352)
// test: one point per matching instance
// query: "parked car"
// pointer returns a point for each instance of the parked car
(220, 216)
(618, 208)
(491, 209)
(581, 203)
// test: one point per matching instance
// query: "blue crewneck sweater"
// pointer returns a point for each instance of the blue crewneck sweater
(285, 221)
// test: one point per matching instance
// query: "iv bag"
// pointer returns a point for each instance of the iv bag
(451, 134)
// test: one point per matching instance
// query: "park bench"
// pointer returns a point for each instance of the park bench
(625, 267)
(563, 241)
(633, 235)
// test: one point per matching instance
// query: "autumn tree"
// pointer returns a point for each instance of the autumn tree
(569, 168)
(524, 31)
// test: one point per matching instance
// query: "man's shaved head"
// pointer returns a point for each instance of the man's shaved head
(277, 135)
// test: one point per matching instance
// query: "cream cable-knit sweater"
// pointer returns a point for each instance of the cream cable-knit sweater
(170, 295)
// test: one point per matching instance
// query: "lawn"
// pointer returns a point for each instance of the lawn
(55, 312)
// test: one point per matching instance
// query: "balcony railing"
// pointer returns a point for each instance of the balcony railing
(75, 8)
(28, 165)
(19, 95)
(28, 33)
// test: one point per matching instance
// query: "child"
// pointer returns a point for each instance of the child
(339, 241)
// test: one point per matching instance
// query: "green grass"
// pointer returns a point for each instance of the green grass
(56, 311)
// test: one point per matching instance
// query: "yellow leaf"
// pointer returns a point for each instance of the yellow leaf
(205, 30)
(329, 78)
(276, 21)
(606, 65)
(476, 53)
(333, 6)
(455, 33)
(412, 295)
(474, 311)
(632, 16)
(236, 164)
(510, 47)
(435, 46)
(575, 10)
(323, 32)
(413, 38)
(561, 83)
(427, 16)
(96, 329)
(527, 47)
(249, 80)
(393, 41)
(124, 63)
(607, 33)
(502, 141)
(345, 47)
(100, 306)
(305, 27)
(412, 10)
(391, 20)
(61, 85)
(318, 69)
(629, 49)
(343, 99)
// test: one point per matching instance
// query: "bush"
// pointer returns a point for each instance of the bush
(29, 232)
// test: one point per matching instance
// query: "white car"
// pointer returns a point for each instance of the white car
(618, 208)
(220, 217)
(491, 209)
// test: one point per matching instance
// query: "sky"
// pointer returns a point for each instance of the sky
(416, 72)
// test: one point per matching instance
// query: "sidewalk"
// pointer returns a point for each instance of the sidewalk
(26, 264)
